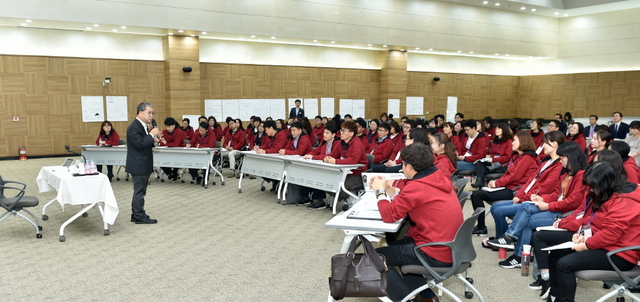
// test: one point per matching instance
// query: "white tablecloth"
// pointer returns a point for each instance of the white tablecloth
(79, 190)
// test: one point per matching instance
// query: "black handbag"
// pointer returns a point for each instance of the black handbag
(358, 275)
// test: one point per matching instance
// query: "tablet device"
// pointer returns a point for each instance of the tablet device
(68, 162)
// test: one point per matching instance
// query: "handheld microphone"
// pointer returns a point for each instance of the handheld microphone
(74, 152)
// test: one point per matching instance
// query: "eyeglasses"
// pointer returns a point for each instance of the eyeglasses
(150, 112)
(382, 129)
(344, 130)
(406, 127)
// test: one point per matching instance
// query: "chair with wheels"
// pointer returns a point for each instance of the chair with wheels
(463, 253)
(621, 281)
(16, 204)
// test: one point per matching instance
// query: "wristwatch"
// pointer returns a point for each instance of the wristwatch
(381, 192)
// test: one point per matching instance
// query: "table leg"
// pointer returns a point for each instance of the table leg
(216, 172)
(284, 176)
(74, 217)
(240, 182)
(284, 194)
(44, 209)
(106, 226)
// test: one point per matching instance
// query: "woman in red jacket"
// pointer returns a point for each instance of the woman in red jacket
(107, 137)
(576, 134)
(523, 163)
(608, 219)
(536, 131)
(629, 164)
(500, 152)
(444, 153)
(600, 141)
(455, 140)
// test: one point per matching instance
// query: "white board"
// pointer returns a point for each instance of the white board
(358, 108)
(452, 108)
(415, 105)
(193, 120)
(246, 109)
(278, 111)
(393, 107)
(117, 109)
(262, 108)
(229, 108)
(92, 109)
(310, 108)
(346, 107)
(213, 107)
(326, 107)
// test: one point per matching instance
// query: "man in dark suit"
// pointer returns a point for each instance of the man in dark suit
(296, 111)
(140, 141)
(591, 129)
(618, 129)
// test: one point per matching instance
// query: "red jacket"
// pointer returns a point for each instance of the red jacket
(224, 131)
(545, 181)
(275, 143)
(234, 140)
(113, 139)
(321, 151)
(208, 141)
(218, 132)
(501, 152)
(430, 202)
(616, 224)
(304, 145)
(633, 173)
(491, 133)
(537, 137)
(395, 154)
(444, 164)
(256, 140)
(575, 194)
(174, 139)
(188, 133)
(579, 139)
(353, 154)
(318, 132)
(364, 139)
(381, 150)
(478, 148)
(455, 140)
(518, 170)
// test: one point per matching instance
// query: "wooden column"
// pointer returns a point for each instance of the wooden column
(182, 88)
(393, 79)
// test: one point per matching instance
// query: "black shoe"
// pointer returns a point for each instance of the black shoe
(304, 202)
(480, 232)
(505, 242)
(346, 206)
(486, 245)
(544, 294)
(512, 262)
(110, 178)
(134, 220)
(147, 220)
(318, 205)
(537, 285)
(476, 185)
(199, 181)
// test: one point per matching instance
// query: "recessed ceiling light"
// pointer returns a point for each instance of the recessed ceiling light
(333, 42)
(253, 36)
(485, 2)
(88, 28)
(240, 38)
(384, 45)
(96, 25)
(193, 35)
(533, 9)
(123, 27)
(497, 54)
(417, 48)
(566, 15)
(471, 52)
(315, 41)
(370, 47)
(368, 44)
(497, 4)
(28, 20)
(301, 42)
(430, 49)
(523, 8)
(259, 39)
(23, 24)
(181, 31)
(204, 32)
(506, 55)
(482, 55)
(459, 51)
(114, 30)
(273, 38)
(170, 34)
(530, 57)
(556, 13)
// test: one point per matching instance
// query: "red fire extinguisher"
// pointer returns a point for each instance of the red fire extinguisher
(23, 153)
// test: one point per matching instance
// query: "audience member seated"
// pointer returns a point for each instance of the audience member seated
(383, 146)
(451, 134)
(536, 131)
(541, 182)
(187, 129)
(318, 129)
(217, 129)
(576, 134)
(225, 129)
(522, 164)
(618, 129)
(233, 142)
(600, 141)
(373, 132)
(298, 143)
(361, 134)
(544, 208)
(394, 166)
(489, 127)
(634, 141)
(329, 142)
(395, 133)
(275, 141)
(107, 137)
(172, 136)
(591, 129)
(431, 202)
(444, 153)
(252, 131)
(629, 164)
(349, 151)
(205, 138)
(608, 219)
(474, 146)
(500, 152)
(561, 123)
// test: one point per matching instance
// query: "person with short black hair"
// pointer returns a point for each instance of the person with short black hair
(298, 143)
(318, 130)
(205, 138)
(348, 118)
(431, 202)
(362, 127)
(499, 154)
(186, 128)
(591, 129)
(561, 124)
(474, 146)
(172, 136)
(296, 111)
(629, 164)
(276, 139)
(459, 117)
(618, 129)
(383, 146)
(233, 142)
(329, 142)
(439, 118)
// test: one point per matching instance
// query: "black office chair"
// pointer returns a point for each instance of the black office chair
(619, 280)
(370, 158)
(18, 203)
(463, 253)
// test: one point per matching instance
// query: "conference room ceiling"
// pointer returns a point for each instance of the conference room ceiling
(553, 8)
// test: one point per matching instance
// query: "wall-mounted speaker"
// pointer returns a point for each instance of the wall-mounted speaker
(436, 79)
(187, 69)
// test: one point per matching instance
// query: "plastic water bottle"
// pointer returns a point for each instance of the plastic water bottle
(526, 259)
(81, 169)
(94, 168)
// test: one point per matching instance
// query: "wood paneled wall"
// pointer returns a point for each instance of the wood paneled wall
(478, 95)
(45, 92)
(582, 94)
(231, 81)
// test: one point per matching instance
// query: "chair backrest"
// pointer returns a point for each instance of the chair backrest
(1, 187)
(370, 159)
(123, 142)
(463, 198)
(460, 184)
(462, 247)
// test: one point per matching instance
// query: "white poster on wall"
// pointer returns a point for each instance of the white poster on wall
(214, 107)
(117, 109)
(92, 109)
(358, 108)
(246, 109)
(346, 107)
(278, 111)
(415, 105)
(262, 108)
(393, 107)
(193, 120)
(452, 108)
(326, 107)
(310, 108)
(229, 108)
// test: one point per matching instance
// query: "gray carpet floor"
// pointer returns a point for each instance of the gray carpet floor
(210, 244)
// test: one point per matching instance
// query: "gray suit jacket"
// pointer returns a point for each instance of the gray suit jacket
(139, 154)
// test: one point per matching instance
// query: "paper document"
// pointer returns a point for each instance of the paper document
(566, 245)
(492, 189)
(549, 228)
(365, 214)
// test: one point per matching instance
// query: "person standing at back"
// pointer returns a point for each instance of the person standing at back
(140, 141)
(296, 111)
(618, 129)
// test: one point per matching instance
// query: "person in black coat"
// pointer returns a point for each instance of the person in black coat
(296, 111)
(618, 129)
(139, 164)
